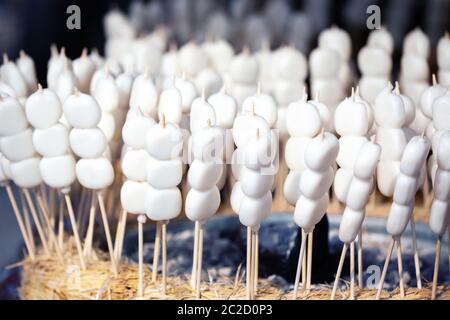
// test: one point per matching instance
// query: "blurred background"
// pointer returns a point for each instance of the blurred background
(35, 25)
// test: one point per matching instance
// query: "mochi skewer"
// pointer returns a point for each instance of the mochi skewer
(317, 178)
(203, 199)
(406, 185)
(360, 188)
(133, 191)
(93, 170)
(164, 143)
(439, 212)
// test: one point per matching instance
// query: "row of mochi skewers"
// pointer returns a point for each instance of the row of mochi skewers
(196, 137)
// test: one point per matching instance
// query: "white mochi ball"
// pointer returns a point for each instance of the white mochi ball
(236, 197)
(169, 104)
(389, 111)
(135, 130)
(225, 108)
(290, 64)
(291, 189)
(201, 205)
(133, 195)
(164, 204)
(358, 193)
(387, 173)
(144, 95)
(81, 111)
(95, 174)
(351, 118)
(245, 128)
(12, 117)
(324, 63)
(294, 152)
(350, 224)
(443, 152)
(321, 152)
(392, 141)
(415, 155)
(164, 174)
(342, 181)
(429, 96)
(399, 216)
(255, 184)
(374, 61)
(204, 175)
(303, 119)
(52, 141)
(315, 184)
(309, 212)
(439, 217)
(134, 164)
(87, 143)
(441, 112)
(349, 148)
(192, 58)
(367, 160)
(26, 173)
(59, 171)
(263, 105)
(244, 68)
(43, 109)
(202, 115)
(19, 146)
(106, 93)
(253, 211)
(164, 143)
(381, 38)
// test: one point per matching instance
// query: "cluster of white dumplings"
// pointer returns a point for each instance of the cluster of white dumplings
(243, 76)
(392, 111)
(440, 212)
(359, 190)
(17, 145)
(316, 180)
(18, 79)
(51, 138)
(93, 169)
(164, 144)
(415, 73)
(304, 120)
(205, 171)
(375, 64)
(443, 60)
(352, 120)
(252, 197)
(134, 163)
(407, 184)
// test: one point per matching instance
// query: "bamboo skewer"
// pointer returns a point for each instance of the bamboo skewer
(309, 263)
(299, 266)
(256, 269)
(164, 256)
(199, 262)
(352, 270)
(74, 229)
(61, 225)
(87, 250)
(386, 265)
(51, 231)
(27, 220)
(123, 225)
(360, 260)
(304, 261)
(156, 251)
(141, 220)
(252, 266)
(400, 268)
(107, 232)
(249, 263)
(195, 255)
(416, 253)
(37, 221)
(339, 271)
(436, 268)
(19, 219)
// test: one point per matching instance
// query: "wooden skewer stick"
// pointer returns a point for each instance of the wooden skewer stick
(61, 225)
(156, 251)
(74, 228)
(249, 263)
(37, 222)
(339, 271)
(123, 225)
(299, 266)
(386, 264)
(416, 253)
(141, 220)
(304, 261)
(27, 220)
(87, 250)
(51, 231)
(19, 219)
(400, 268)
(352, 270)
(199, 262)
(436, 268)
(101, 203)
(195, 255)
(164, 255)
(256, 269)
(360, 260)
(252, 267)
(309, 263)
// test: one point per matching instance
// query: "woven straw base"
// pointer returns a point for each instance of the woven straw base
(48, 278)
